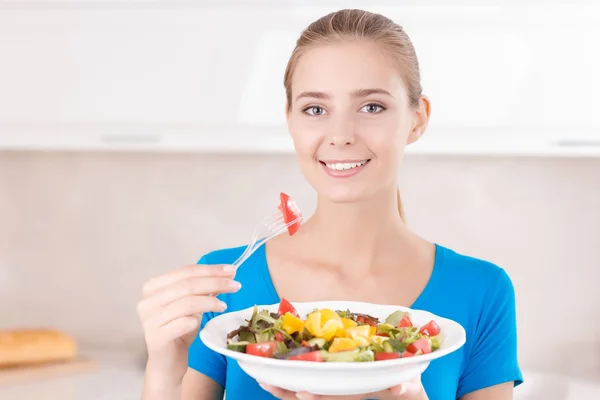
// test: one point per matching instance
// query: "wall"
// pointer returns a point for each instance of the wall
(79, 233)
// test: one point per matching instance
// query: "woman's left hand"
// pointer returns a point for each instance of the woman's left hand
(408, 391)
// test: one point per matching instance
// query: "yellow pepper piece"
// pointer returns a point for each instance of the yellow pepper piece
(349, 323)
(329, 329)
(313, 322)
(292, 324)
(373, 330)
(325, 328)
(327, 314)
(343, 344)
(362, 331)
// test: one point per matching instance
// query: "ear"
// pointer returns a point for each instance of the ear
(422, 114)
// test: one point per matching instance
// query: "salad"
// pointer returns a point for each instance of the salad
(333, 336)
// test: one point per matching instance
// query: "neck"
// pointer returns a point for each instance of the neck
(357, 236)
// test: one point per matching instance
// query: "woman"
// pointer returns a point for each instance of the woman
(353, 103)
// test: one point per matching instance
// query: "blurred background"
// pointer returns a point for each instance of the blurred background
(137, 135)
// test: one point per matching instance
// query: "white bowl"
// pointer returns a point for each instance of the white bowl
(332, 378)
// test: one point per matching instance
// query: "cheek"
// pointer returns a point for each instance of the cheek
(307, 136)
(306, 142)
(384, 138)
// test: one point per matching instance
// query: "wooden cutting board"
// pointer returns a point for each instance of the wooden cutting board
(33, 373)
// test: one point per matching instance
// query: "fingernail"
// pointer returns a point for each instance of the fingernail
(234, 285)
(223, 306)
(263, 386)
(228, 268)
(400, 390)
(300, 396)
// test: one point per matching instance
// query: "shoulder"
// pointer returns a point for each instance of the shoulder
(468, 289)
(478, 274)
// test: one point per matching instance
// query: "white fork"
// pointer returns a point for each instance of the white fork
(267, 229)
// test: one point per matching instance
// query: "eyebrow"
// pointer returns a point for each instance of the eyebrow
(355, 94)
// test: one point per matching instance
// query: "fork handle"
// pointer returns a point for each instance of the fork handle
(250, 249)
(256, 243)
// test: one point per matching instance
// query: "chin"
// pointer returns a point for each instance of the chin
(346, 193)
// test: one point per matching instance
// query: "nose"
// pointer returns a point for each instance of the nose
(340, 141)
(342, 134)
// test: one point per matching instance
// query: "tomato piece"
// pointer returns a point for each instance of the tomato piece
(278, 336)
(430, 329)
(381, 356)
(265, 349)
(363, 319)
(405, 322)
(305, 343)
(290, 212)
(315, 356)
(423, 344)
(285, 307)
(383, 334)
(408, 354)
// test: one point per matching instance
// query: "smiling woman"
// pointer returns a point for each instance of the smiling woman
(383, 115)
(354, 102)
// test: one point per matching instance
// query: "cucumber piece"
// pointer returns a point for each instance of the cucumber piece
(387, 347)
(237, 346)
(395, 318)
(435, 343)
(364, 356)
(376, 348)
(385, 328)
(320, 342)
(342, 356)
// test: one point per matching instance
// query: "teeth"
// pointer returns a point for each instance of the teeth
(345, 166)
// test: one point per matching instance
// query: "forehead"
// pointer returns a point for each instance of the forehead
(343, 67)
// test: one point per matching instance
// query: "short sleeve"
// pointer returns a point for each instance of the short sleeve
(492, 358)
(203, 359)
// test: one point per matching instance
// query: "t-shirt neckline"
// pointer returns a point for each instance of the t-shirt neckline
(421, 299)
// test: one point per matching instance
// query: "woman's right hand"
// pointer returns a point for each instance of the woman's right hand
(171, 311)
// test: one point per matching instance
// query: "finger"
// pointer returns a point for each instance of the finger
(186, 288)
(187, 306)
(176, 329)
(278, 392)
(409, 390)
(184, 273)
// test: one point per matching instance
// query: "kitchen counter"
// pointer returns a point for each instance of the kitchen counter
(119, 376)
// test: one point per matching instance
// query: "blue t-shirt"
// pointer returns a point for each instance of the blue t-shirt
(475, 293)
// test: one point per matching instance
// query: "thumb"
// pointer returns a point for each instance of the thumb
(407, 390)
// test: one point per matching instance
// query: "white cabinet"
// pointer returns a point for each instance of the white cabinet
(183, 75)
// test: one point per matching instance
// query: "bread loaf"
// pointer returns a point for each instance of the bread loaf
(35, 346)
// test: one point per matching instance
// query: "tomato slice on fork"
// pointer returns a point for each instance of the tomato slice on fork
(290, 212)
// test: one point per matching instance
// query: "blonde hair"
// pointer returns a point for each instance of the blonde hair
(361, 25)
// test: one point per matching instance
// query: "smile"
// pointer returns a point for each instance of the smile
(345, 166)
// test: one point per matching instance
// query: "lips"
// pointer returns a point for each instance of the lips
(343, 168)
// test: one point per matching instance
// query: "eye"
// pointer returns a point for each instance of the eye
(314, 110)
(373, 108)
